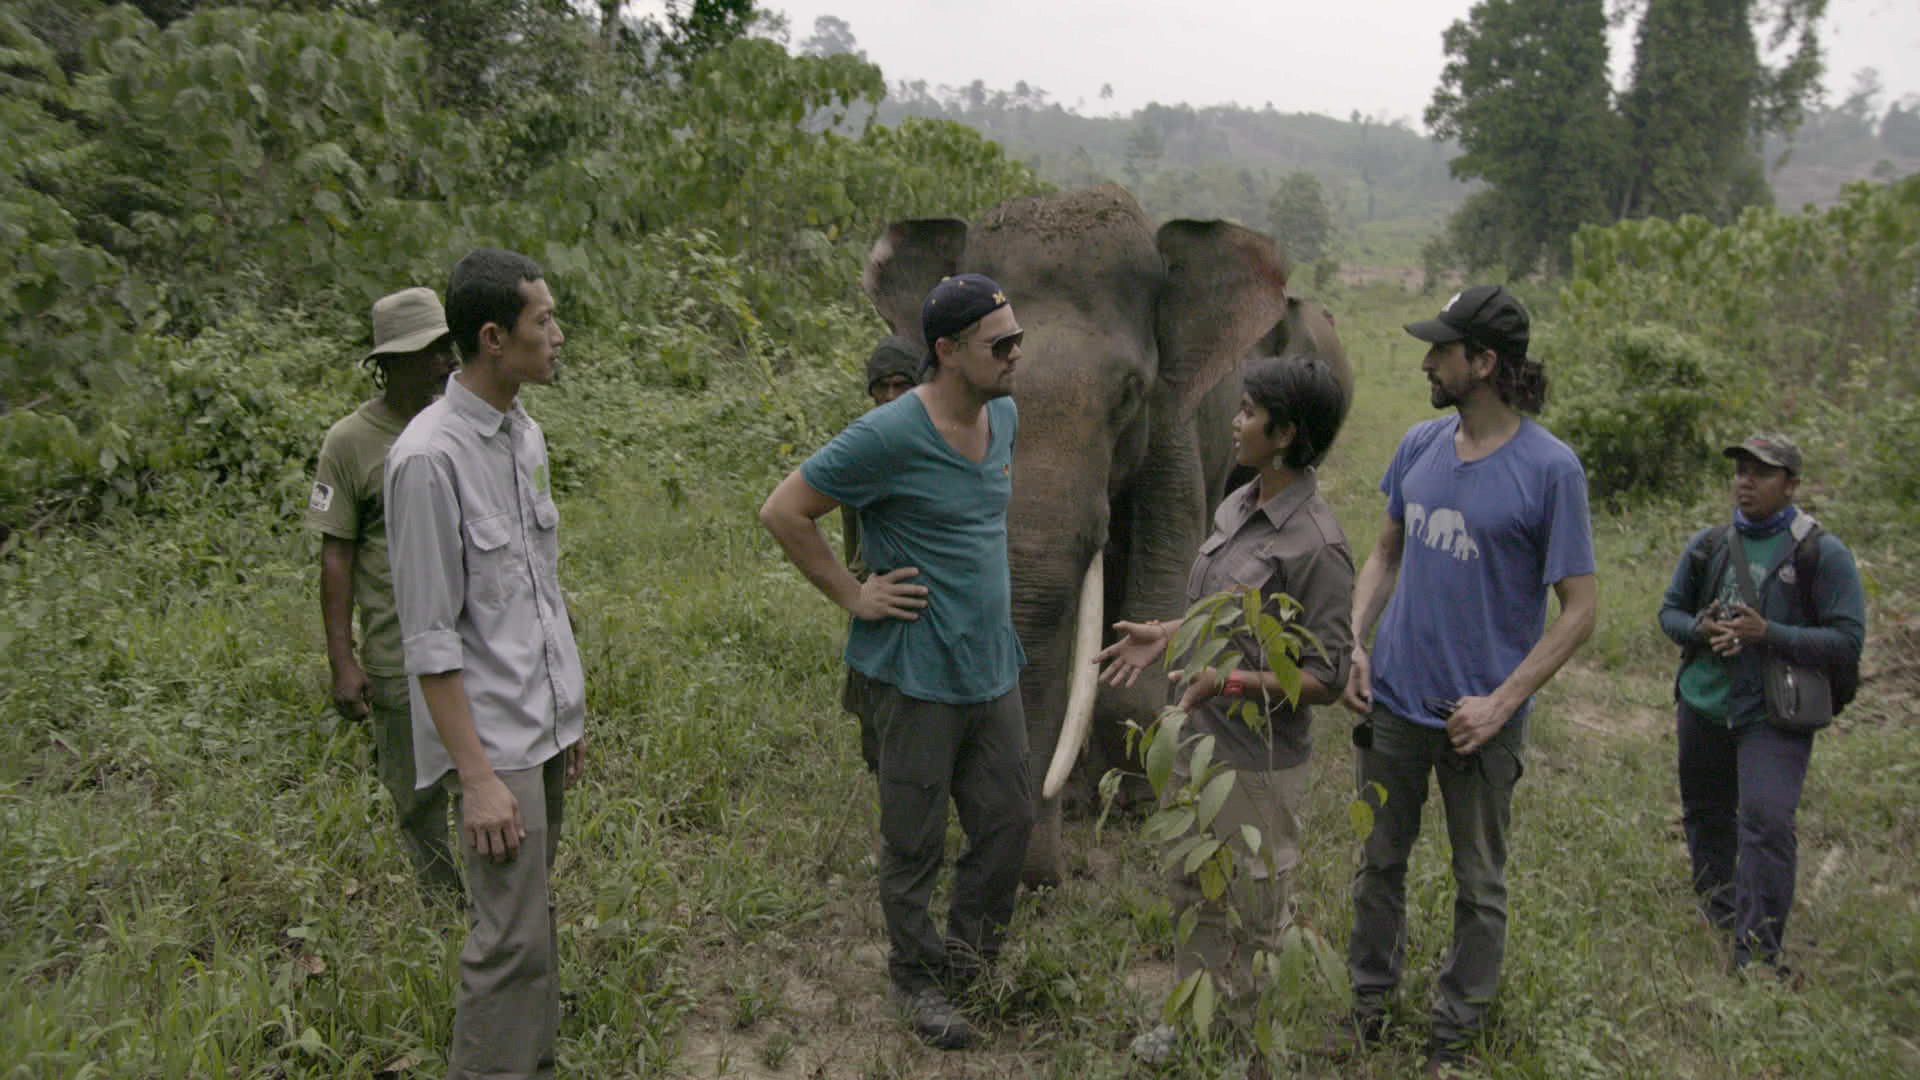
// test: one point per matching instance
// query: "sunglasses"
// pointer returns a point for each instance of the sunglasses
(1004, 345)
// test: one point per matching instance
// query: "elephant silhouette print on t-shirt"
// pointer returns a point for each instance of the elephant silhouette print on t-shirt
(1443, 528)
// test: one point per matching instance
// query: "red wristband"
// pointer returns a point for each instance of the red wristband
(1235, 686)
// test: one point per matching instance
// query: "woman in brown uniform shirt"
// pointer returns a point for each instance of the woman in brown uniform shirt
(1275, 534)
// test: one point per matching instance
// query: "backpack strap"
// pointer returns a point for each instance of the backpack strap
(1706, 553)
(1806, 561)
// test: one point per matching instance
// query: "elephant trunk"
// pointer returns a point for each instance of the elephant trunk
(1084, 688)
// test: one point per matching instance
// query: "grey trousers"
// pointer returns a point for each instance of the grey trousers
(1258, 907)
(422, 812)
(506, 1012)
(975, 755)
(1477, 794)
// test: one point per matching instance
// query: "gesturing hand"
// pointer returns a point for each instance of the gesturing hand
(490, 818)
(1136, 651)
(888, 596)
(1204, 685)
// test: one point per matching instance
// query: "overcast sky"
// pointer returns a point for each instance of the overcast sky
(1381, 57)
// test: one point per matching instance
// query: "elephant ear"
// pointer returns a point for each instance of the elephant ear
(1307, 331)
(906, 263)
(1307, 335)
(1226, 288)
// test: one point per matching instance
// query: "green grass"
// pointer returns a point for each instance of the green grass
(199, 877)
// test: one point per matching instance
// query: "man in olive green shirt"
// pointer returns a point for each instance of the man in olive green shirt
(411, 358)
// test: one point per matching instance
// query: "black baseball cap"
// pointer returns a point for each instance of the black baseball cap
(1489, 315)
(957, 303)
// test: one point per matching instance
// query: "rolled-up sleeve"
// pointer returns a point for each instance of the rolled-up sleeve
(1322, 580)
(429, 560)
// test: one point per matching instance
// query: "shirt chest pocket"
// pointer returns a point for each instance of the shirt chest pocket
(545, 533)
(490, 558)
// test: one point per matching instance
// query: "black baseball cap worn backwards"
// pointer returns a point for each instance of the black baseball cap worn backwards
(957, 303)
(1489, 315)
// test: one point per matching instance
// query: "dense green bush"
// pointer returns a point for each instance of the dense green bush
(160, 183)
(1642, 416)
(1814, 315)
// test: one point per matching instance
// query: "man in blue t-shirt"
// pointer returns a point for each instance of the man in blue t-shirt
(1485, 511)
(930, 474)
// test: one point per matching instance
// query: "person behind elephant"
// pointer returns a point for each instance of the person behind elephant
(499, 696)
(931, 475)
(1740, 777)
(1278, 535)
(1485, 511)
(411, 358)
(892, 370)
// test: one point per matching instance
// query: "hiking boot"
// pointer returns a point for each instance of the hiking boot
(1445, 1061)
(1354, 1034)
(934, 1018)
(1155, 1046)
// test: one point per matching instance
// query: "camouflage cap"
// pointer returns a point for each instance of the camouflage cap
(1769, 448)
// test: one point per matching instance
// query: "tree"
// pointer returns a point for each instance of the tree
(1900, 131)
(1525, 92)
(1700, 100)
(1301, 220)
(831, 37)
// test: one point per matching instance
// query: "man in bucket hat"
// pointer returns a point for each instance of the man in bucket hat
(892, 370)
(411, 358)
(1740, 777)
(932, 628)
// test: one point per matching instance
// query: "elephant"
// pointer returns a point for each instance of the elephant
(1417, 521)
(1127, 384)
(1445, 529)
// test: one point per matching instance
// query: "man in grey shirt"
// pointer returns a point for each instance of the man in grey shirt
(499, 698)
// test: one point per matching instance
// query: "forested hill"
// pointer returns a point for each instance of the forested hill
(1215, 161)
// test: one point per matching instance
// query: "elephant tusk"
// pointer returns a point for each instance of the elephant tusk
(1086, 642)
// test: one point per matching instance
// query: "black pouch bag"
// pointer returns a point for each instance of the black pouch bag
(1799, 698)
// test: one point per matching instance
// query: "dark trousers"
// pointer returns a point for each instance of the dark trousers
(1739, 790)
(1477, 793)
(975, 755)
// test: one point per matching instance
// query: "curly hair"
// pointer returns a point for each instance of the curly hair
(1520, 380)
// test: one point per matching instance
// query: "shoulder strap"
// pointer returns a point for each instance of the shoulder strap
(1742, 576)
(1711, 544)
(1806, 561)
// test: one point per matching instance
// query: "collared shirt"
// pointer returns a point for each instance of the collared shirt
(1293, 544)
(347, 503)
(472, 534)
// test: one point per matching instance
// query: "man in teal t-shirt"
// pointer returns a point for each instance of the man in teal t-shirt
(932, 627)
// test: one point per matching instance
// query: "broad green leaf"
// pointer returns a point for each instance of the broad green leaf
(1360, 816)
(1182, 993)
(1166, 826)
(1252, 838)
(1202, 759)
(1203, 1000)
(1212, 796)
(1201, 852)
